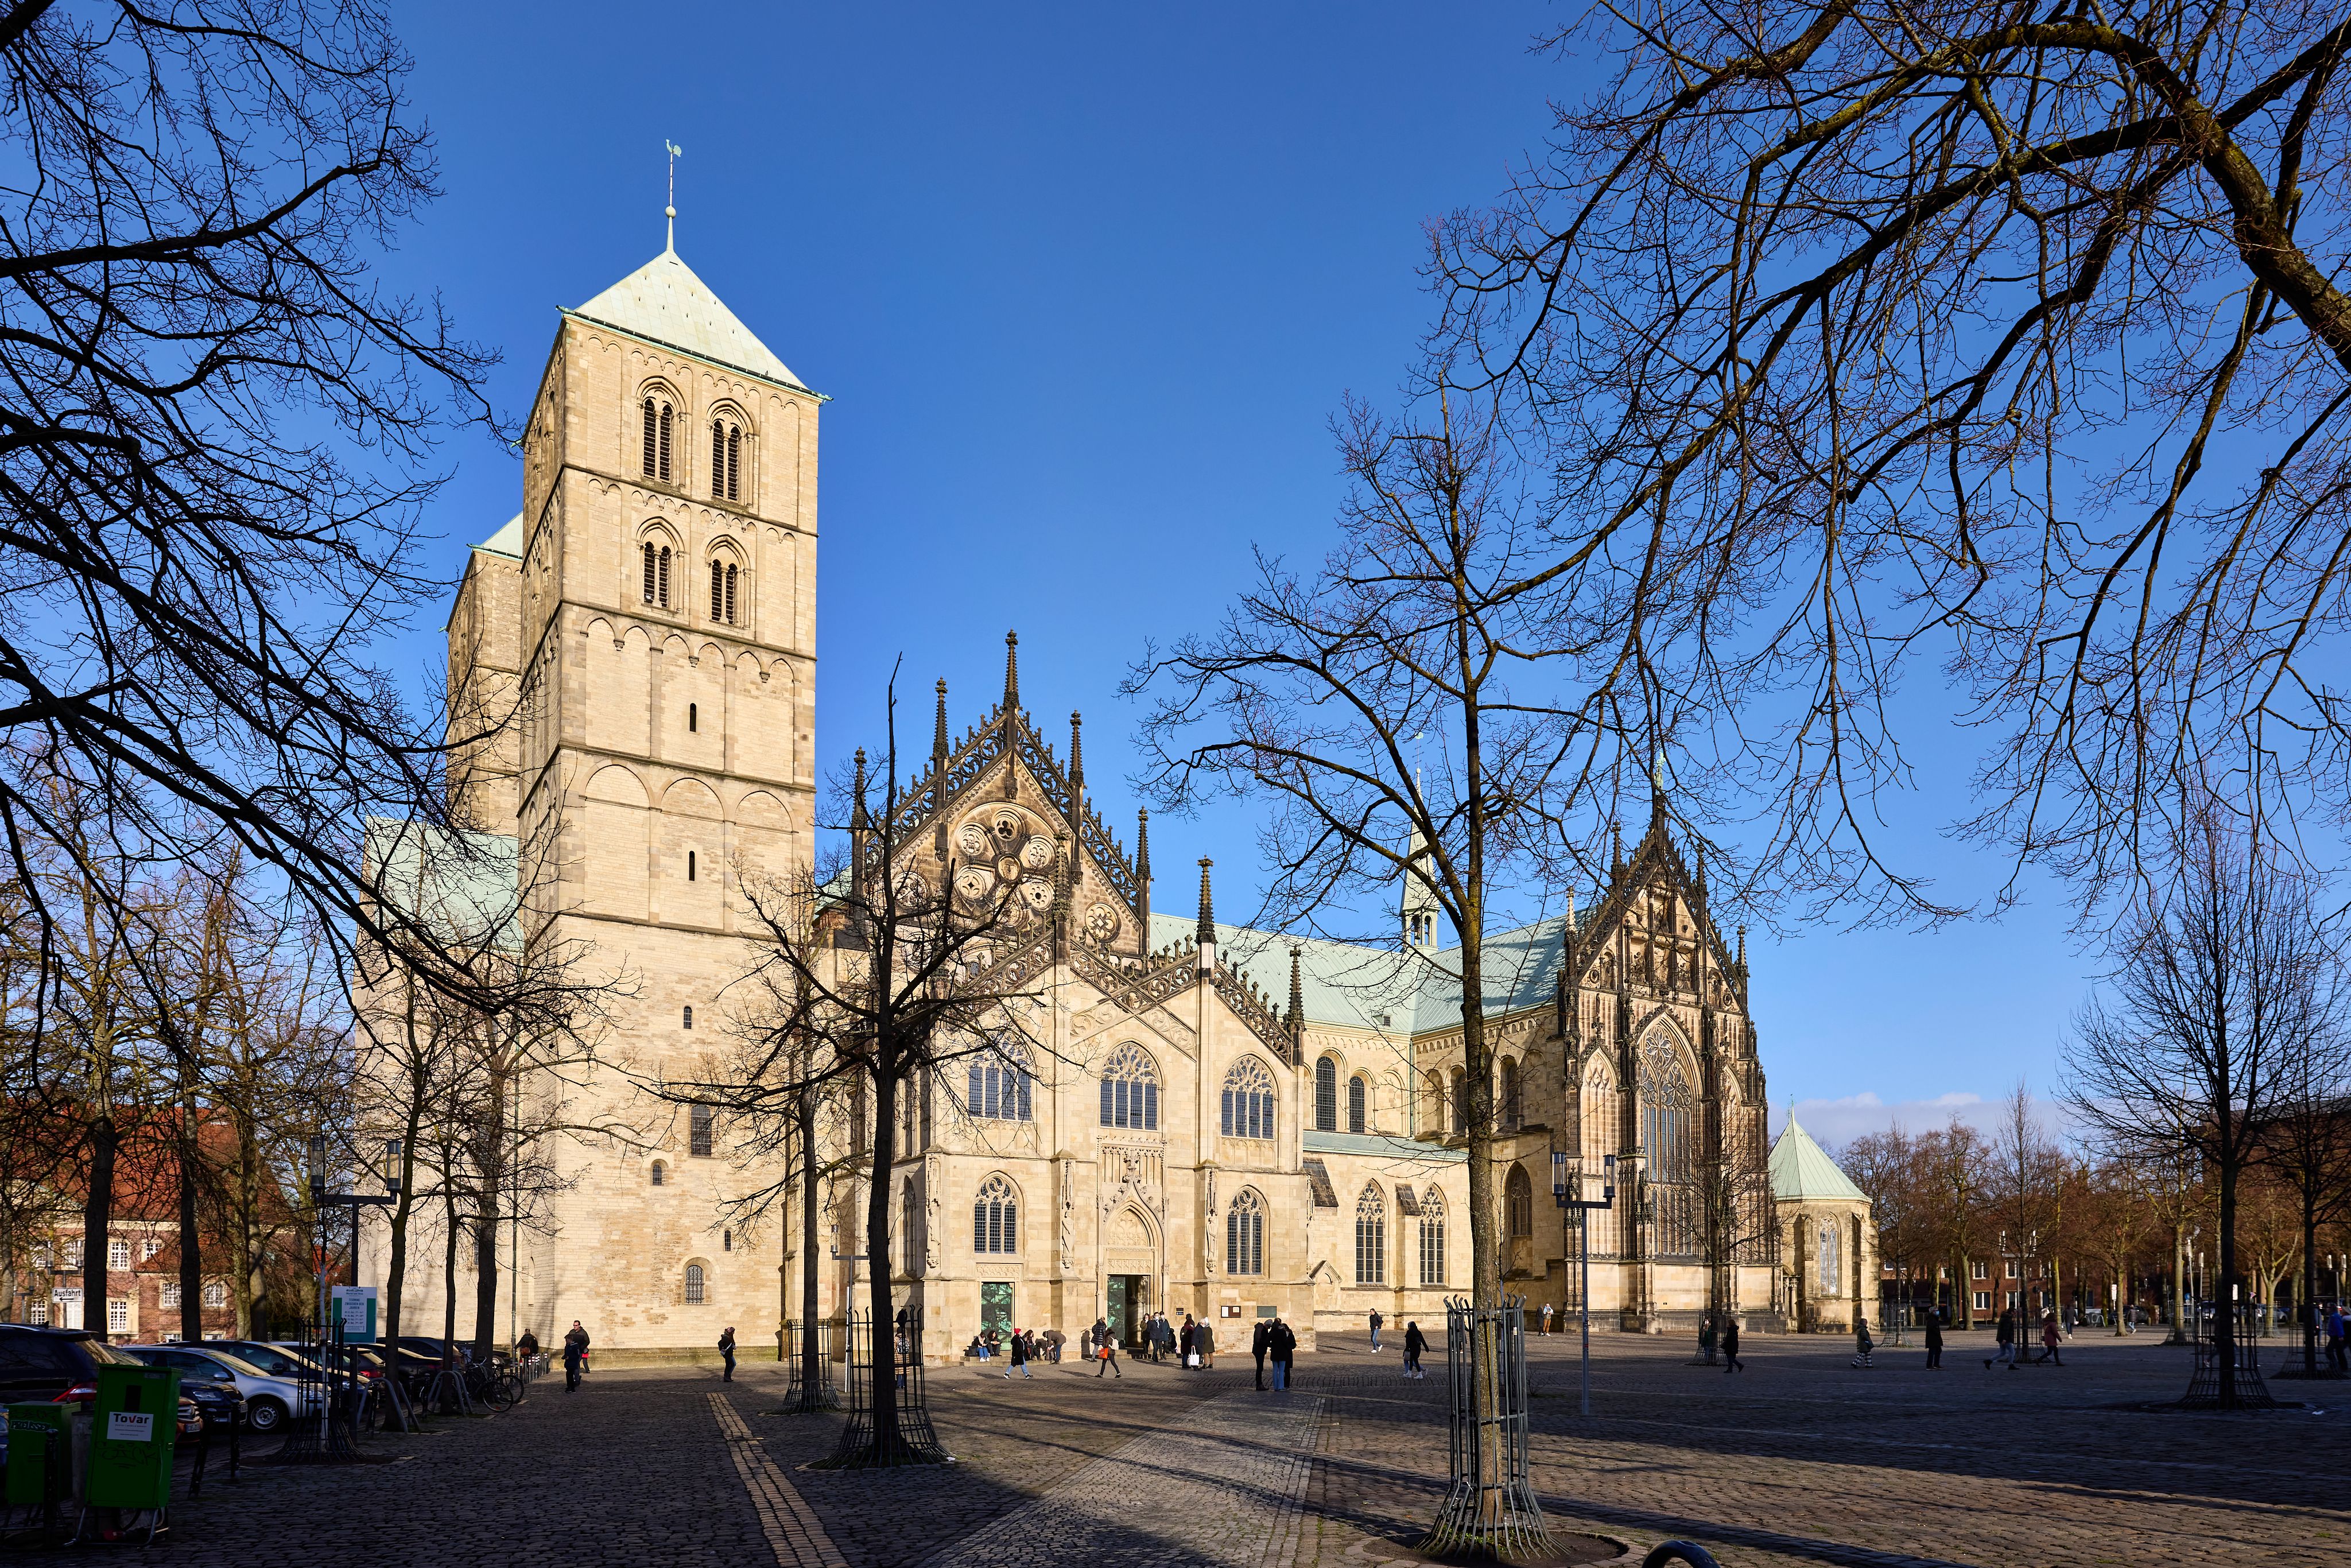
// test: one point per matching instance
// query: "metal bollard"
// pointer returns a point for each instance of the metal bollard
(1688, 1552)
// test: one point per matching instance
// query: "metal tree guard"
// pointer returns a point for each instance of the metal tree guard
(2204, 1383)
(801, 1395)
(915, 1443)
(1490, 1509)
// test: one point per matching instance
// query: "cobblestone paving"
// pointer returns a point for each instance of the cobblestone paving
(1800, 1460)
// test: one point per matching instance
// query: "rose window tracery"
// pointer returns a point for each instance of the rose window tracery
(1006, 854)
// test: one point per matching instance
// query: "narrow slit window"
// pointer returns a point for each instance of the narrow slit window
(689, 1017)
(689, 866)
(692, 717)
(734, 463)
(650, 573)
(664, 473)
(718, 591)
(731, 573)
(718, 458)
(652, 438)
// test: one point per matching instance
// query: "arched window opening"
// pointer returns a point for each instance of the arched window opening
(1460, 1086)
(1519, 1202)
(996, 1217)
(1358, 1109)
(1432, 1102)
(652, 442)
(661, 598)
(998, 1085)
(697, 1131)
(665, 475)
(1832, 1276)
(1326, 1095)
(1667, 1105)
(689, 1017)
(718, 591)
(1245, 1235)
(651, 553)
(726, 460)
(1432, 1236)
(731, 575)
(689, 866)
(726, 1241)
(693, 1284)
(692, 717)
(1130, 1091)
(1371, 1237)
(1511, 1113)
(1248, 1100)
(734, 463)
(660, 1174)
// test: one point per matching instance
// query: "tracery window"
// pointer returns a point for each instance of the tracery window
(1371, 1237)
(1432, 1236)
(1248, 1100)
(1326, 1095)
(1245, 1235)
(1667, 1104)
(1832, 1276)
(1130, 1091)
(698, 1130)
(1599, 1138)
(1357, 1108)
(1519, 1202)
(998, 1084)
(693, 1284)
(996, 1217)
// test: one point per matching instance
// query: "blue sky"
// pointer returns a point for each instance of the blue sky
(1085, 285)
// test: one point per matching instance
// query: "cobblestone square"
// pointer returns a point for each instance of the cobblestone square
(1802, 1459)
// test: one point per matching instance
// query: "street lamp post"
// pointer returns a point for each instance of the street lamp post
(1583, 1207)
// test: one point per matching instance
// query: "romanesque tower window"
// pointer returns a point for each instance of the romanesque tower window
(656, 572)
(1432, 1236)
(1245, 1235)
(697, 1131)
(726, 460)
(1130, 1091)
(658, 422)
(1000, 1086)
(723, 576)
(1248, 1100)
(689, 866)
(996, 1217)
(689, 1017)
(1326, 1095)
(660, 1174)
(1371, 1237)
(1356, 1108)
(693, 1285)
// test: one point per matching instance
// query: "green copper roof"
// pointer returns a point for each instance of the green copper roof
(665, 302)
(1802, 1170)
(507, 542)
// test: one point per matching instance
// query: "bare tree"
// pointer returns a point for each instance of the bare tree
(1318, 690)
(1869, 332)
(2219, 989)
(2309, 1142)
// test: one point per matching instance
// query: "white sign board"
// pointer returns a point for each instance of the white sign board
(128, 1427)
(354, 1306)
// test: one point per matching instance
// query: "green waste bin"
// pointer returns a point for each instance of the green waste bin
(134, 1427)
(38, 1460)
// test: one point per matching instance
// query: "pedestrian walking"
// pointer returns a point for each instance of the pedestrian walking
(1166, 1344)
(1021, 1351)
(2051, 1338)
(1546, 1326)
(1258, 1339)
(727, 1353)
(1281, 1347)
(1731, 1346)
(1706, 1336)
(2004, 1333)
(1376, 1322)
(1105, 1347)
(1862, 1343)
(575, 1355)
(2337, 1350)
(1188, 1342)
(1416, 1344)
(1935, 1340)
(1204, 1342)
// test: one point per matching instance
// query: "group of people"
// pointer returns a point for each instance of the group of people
(1415, 1343)
(1277, 1341)
(1709, 1336)
(1192, 1343)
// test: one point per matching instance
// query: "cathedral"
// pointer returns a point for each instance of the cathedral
(1226, 1123)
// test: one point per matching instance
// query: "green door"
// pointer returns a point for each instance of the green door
(1121, 1308)
(995, 1306)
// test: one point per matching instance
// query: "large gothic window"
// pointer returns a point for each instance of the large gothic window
(1519, 1202)
(998, 1085)
(1669, 1153)
(1357, 1110)
(1130, 1091)
(996, 1217)
(1371, 1237)
(1831, 1275)
(1326, 1095)
(1248, 1100)
(1599, 1138)
(1431, 1236)
(1245, 1235)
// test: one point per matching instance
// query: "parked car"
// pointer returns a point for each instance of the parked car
(268, 1401)
(277, 1360)
(61, 1364)
(212, 1390)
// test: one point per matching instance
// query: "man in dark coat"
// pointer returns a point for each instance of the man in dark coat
(1935, 1340)
(575, 1354)
(1731, 1346)
(1282, 1347)
(1258, 1340)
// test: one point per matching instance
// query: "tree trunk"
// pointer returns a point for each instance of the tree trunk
(486, 1218)
(449, 1274)
(887, 1442)
(811, 1191)
(192, 1263)
(2309, 1313)
(97, 1217)
(2224, 1315)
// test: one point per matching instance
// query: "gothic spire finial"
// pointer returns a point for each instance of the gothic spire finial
(1297, 995)
(939, 726)
(670, 210)
(1142, 843)
(1208, 931)
(1143, 881)
(858, 819)
(1615, 850)
(1011, 671)
(1077, 752)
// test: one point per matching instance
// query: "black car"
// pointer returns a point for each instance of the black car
(202, 1380)
(61, 1364)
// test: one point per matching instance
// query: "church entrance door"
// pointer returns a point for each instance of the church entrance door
(1125, 1315)
(995, 1306)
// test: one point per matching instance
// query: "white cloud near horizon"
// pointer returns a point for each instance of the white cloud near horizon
(1838, 1122)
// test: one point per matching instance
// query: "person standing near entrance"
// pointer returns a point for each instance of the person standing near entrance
(1282, 1347)
(575, 1354)
(1376, 1322)
(1105, 1350)
(1546, 1323)
(727, 1353)
(1187, 1340)
(1730, 1345)
(1258, 1339)
(1203, 1340)
(1935, 1340)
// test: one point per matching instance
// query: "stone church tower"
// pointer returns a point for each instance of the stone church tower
(654, 610)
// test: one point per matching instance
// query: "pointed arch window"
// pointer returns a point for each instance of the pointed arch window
(1326, 1095)
(723, 578)
(1519, 1203)
(660, 419)
(1432, 1236)
(655, 561)
(1667, 1107)
(697, 1131)
(1831, 1275)
(1245, 1235)
(1248, 1100)
(1510, 1109)
(996, 1217)
(1460, 1103)
(1130, 1091)
(1358, 1107)
(726, 460)
(1371, 1237)
(998, 1084)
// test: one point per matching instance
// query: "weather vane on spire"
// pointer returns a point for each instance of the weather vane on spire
(670, 211)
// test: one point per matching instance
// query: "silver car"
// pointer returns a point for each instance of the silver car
(270, 1400)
